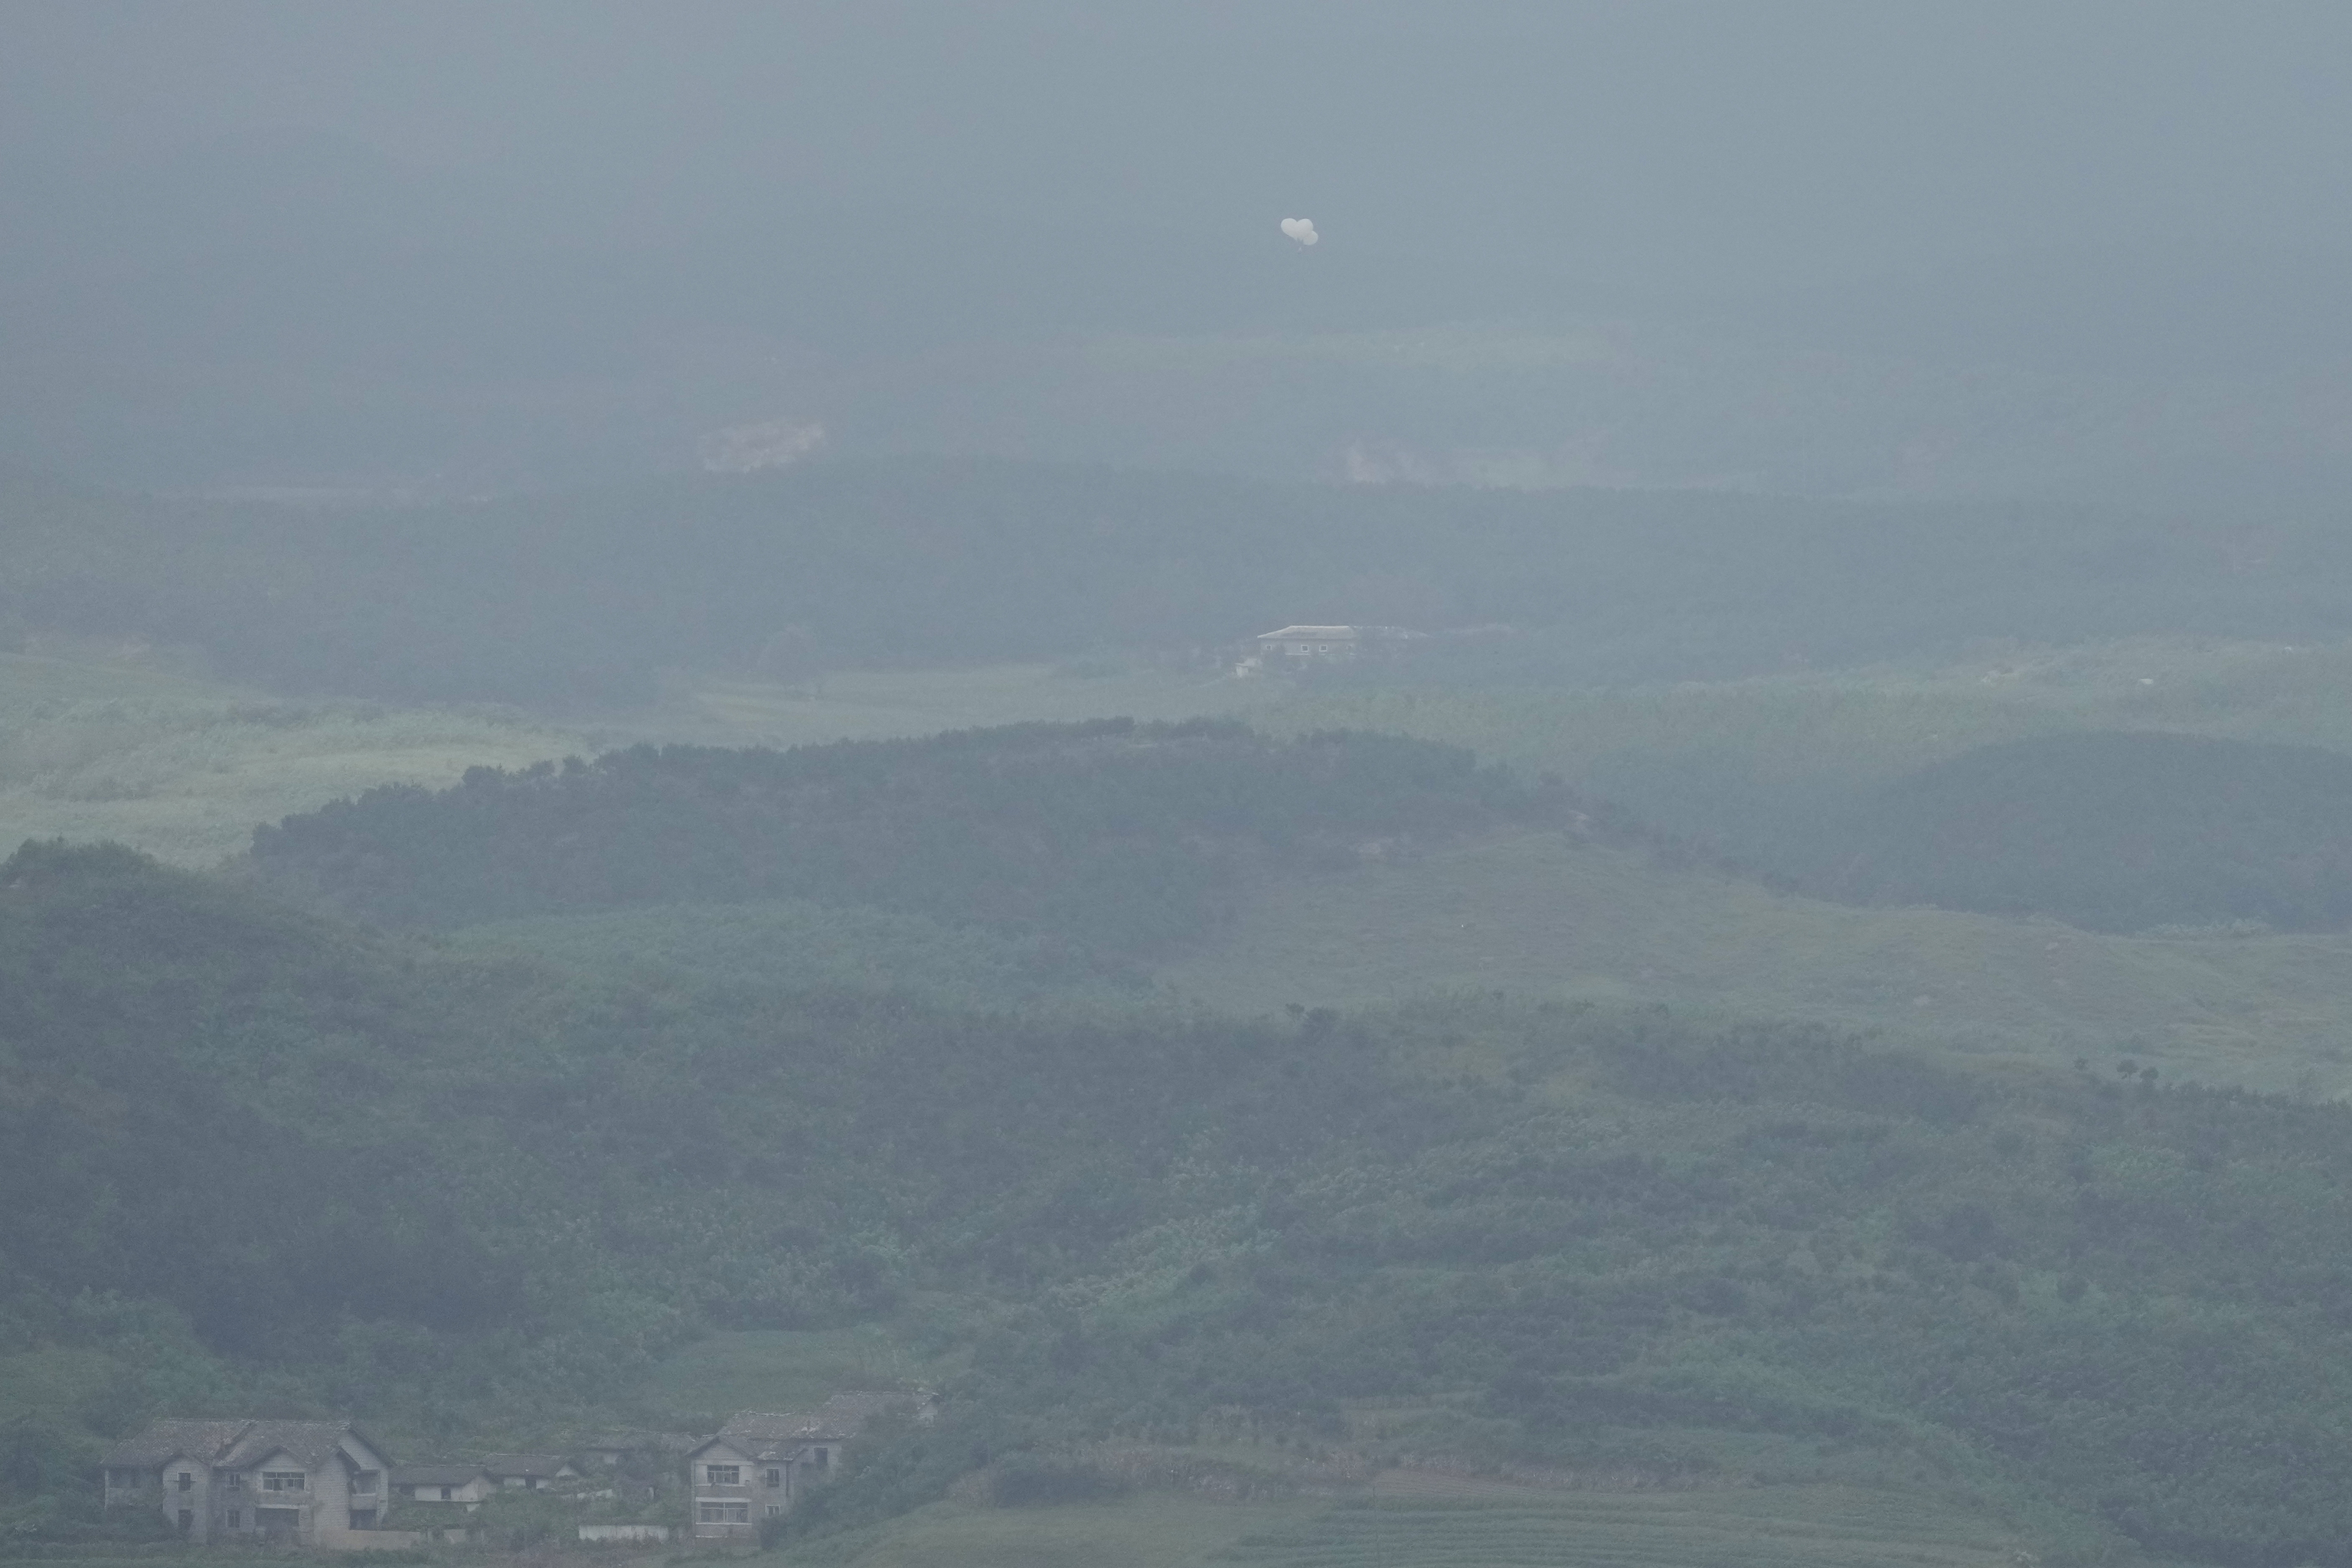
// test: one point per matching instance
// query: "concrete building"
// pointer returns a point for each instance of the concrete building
(459, 1485)
(762, 1463)
(530, 1472)
(314, 1483)
(1294, 646)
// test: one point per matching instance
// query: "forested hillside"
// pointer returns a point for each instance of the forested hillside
(2115, 832)
(1104, 839)
(365, 1173)
(584, 598)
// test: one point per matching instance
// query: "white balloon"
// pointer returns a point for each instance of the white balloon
(1301, 229)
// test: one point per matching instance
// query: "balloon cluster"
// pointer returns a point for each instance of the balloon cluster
(1301, 229)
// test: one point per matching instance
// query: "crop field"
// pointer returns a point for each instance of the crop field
(1798, 1527)
(1145, 1530)
(1541, 914)
(1765, 1527)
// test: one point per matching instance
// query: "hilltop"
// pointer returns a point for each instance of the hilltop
(1109, 839)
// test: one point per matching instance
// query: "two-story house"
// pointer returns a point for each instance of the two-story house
(760, 1463)
(311, 1482)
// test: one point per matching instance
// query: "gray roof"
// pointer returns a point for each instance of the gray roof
(763, 1433)
(236, 1445)
(542, 1466)
(173, 1437)
(456, 1475)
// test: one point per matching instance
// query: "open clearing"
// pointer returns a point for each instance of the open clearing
(1542, 914)
(97, 744)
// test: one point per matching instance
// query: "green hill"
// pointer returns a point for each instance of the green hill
(2112, 831)
(1109, 839)
(441, 1192)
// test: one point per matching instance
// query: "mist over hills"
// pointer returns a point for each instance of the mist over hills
(586, 598)
(677, 584)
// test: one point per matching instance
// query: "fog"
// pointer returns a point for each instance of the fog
(439, 246)
(1301, 784)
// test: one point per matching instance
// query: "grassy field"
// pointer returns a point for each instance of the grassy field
(99, 743)
(1146, 1531)
(1798, 1527)
(882, 704)
(1543, 914)
(1764, 1527)
(98, 748)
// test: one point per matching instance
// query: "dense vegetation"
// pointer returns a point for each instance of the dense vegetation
(377, 1174)
(2116, 832)
(588, 597)
(1097, 840)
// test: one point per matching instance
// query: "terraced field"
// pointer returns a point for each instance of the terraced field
(1795, 1527)
(1765, 1527)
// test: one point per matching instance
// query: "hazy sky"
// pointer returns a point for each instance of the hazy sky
(553, 185)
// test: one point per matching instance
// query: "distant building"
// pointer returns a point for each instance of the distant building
(459, 1485)
(313, 1483)
(762, 1463)
(530, 1472)
(1297, 645)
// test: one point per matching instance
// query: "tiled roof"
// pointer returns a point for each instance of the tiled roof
(541, 1466)
(173, 1437)
(436, 1475)
(761, 1432)
(234, 1443)
(310, 1443)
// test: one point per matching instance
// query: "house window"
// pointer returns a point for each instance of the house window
(775, 1510)
(723, 1512)
(449, 1494)
(775, 1478)
(236, 1518)
(824, 1458)
(363, 1482)
(187, 1480)
(281, 1481)
(187, 1519)
(236, 1481)
(723, 1474)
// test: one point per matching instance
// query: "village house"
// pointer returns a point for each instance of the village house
(459, 1485)
(760, 1463)
(315, 1483)
(530, 1472)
